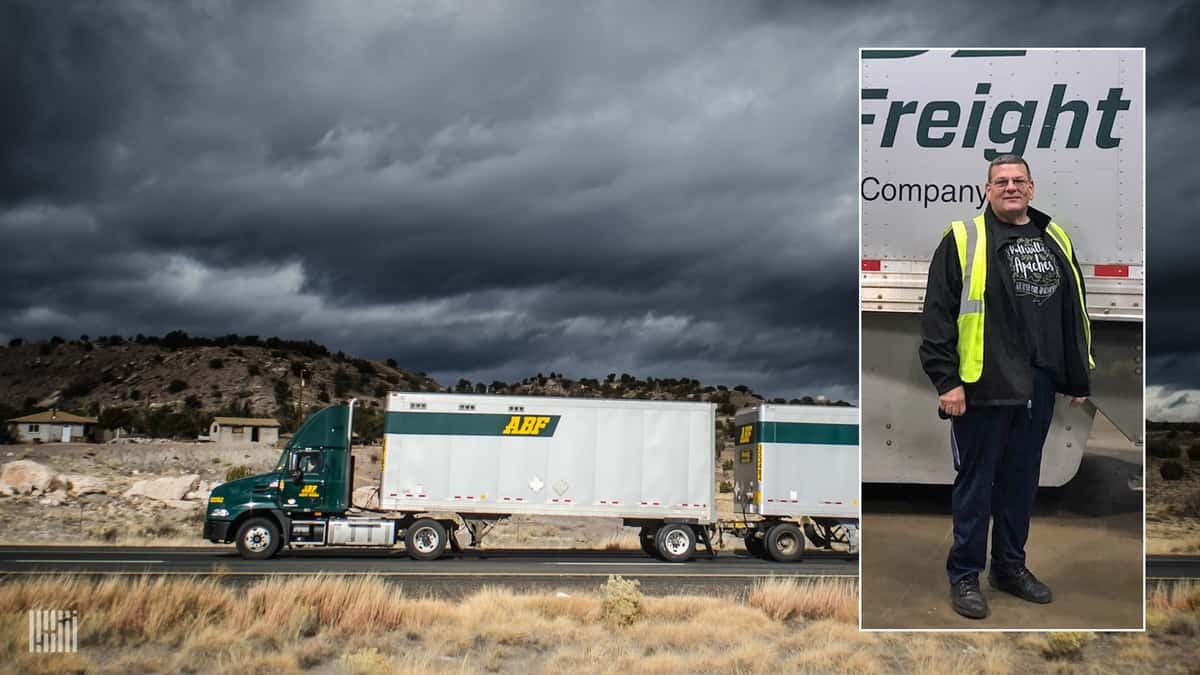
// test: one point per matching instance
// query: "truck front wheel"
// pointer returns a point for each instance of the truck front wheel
(258, 539)
(785, 542)
(425, 539)
(676, 542)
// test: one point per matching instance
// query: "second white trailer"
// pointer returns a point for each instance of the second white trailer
(797, 462)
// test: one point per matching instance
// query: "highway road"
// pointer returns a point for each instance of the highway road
(1172, 567)
(449, 576)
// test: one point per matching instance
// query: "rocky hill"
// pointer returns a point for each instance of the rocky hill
(171, 386)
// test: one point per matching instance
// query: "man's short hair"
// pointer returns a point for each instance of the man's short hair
(1009, 159)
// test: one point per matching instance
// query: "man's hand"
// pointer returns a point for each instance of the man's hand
(1078, 401)
(954, 402)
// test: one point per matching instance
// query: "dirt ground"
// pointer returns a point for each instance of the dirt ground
(110, 517)
(1172, 506)
(1085, 542)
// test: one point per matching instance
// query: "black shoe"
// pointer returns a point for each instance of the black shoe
(1020, 582)
(967, 599)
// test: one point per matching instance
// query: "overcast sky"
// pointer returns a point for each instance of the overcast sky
(494, 189)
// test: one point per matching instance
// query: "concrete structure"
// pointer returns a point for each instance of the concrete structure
(239, 429)
(54, 426)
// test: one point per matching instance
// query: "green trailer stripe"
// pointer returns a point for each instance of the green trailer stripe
(471, 424)
(810, 433)
(969, 53)
(891, 53)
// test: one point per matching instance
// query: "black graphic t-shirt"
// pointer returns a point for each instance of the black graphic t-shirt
(1037, 283)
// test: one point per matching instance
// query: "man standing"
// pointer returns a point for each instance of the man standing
(1004, 327)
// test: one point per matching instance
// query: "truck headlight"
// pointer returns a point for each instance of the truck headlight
(219, 513)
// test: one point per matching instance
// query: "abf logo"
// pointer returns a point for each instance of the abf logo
(309, 491)
(529, 425)
(746, 434)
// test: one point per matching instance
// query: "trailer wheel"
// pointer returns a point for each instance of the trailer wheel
(258, 539)
(754, 544)
(425, 539)
(676, 542)
(647, 537)
(785, 542)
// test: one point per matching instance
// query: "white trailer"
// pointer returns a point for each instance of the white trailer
(796, 465)
(930, 122)
(483, 458)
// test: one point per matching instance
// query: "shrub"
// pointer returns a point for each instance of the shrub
(216, 364)
(365, 662)
(727, 465)
(726, 486)
(1066, 645)
(1163, 450)
(621, 601)
(236, 472)
(252, 370)
(80, 386)
(1193, 452)
(177, 386)
(1171, 470)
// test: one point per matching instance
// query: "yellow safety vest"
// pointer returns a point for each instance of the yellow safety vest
(972, 258)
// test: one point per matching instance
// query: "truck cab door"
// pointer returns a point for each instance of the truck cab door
(304, 482)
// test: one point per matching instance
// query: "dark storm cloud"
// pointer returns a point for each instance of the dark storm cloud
(476, 189)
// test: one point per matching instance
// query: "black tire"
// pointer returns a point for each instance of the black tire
(675, 542)
(785, 542)
(425, 539)
(755, 545)
(258, 539)
(648, 538)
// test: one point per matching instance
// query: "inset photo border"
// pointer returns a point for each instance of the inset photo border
(963, 373)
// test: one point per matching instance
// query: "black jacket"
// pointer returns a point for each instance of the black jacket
(1007, 377)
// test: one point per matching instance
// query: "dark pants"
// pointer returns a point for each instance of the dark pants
(998, 456)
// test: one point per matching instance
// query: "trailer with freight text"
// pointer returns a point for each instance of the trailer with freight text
(931, 120)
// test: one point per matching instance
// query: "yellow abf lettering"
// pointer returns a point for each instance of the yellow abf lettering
(747, 430)
(525, 425)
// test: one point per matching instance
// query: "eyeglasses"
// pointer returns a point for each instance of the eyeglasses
(1017, 182)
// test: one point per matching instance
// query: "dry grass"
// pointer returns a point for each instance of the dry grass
(789, 598)
(366, 625)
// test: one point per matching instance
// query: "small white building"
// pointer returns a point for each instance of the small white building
(54, 426)
(247, 429)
